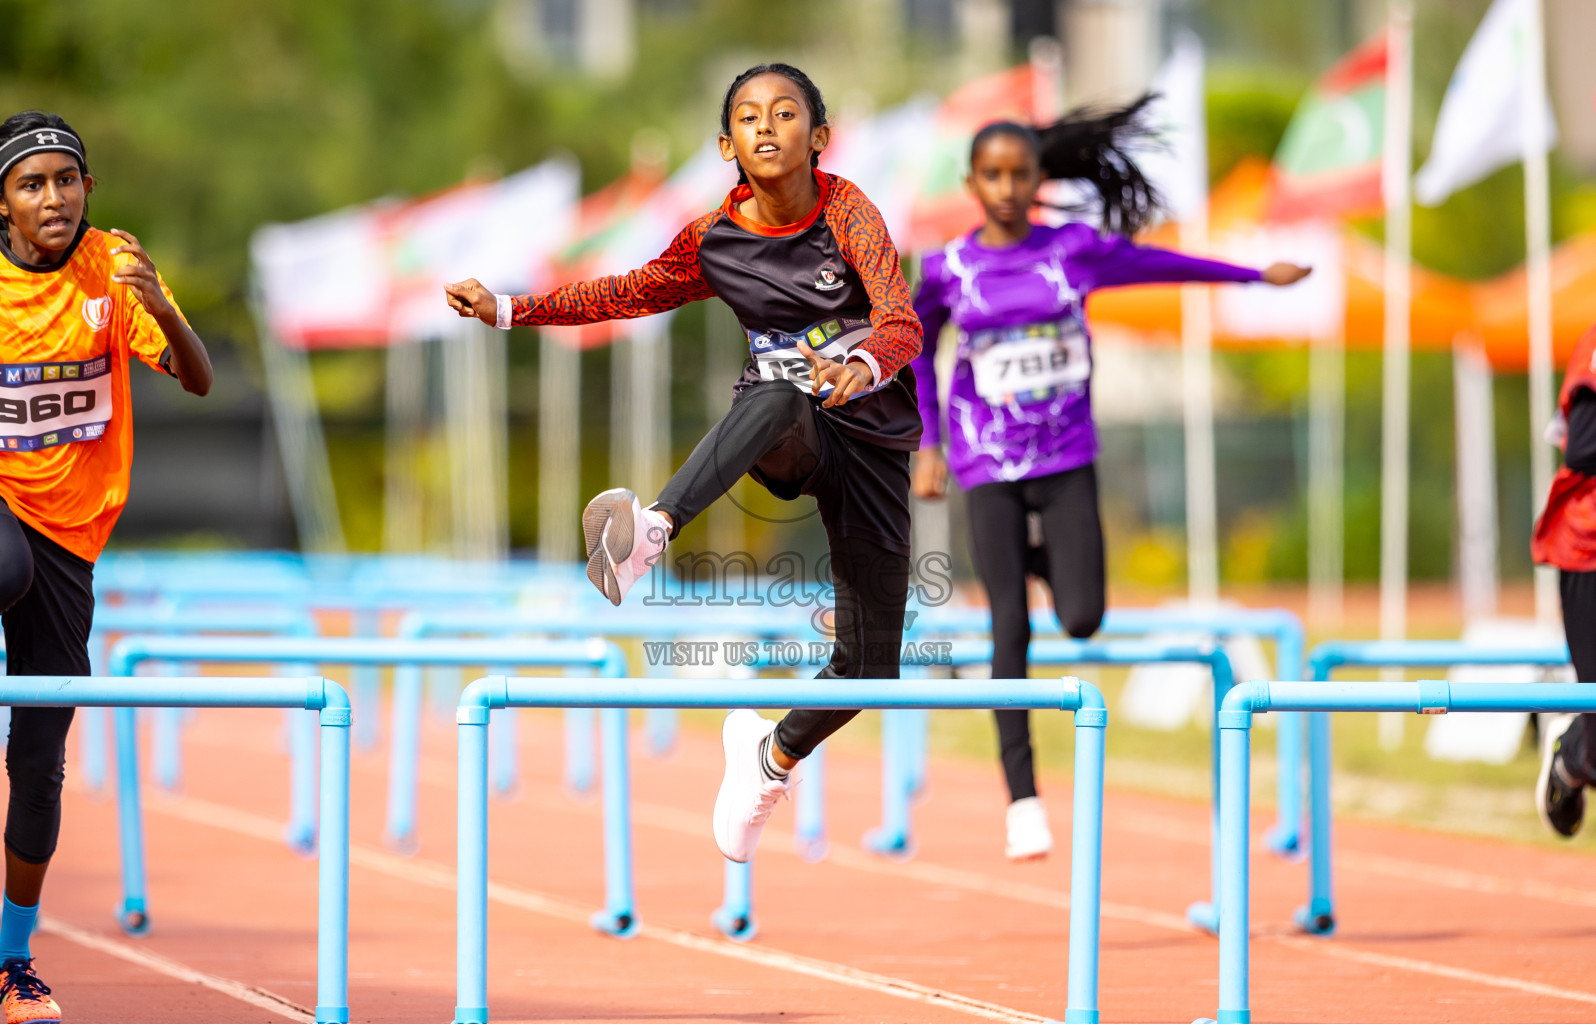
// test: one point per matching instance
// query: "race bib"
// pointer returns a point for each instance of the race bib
(46, 404)
(778, 356)
(1030, 364)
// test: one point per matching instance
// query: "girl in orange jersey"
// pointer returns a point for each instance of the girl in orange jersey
(1565, 537)
(79, 304)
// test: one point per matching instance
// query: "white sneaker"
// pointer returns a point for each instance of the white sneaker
(746, 796)
(623, 540)
(1029, 836)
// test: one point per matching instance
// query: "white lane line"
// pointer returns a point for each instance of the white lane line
(1404, 963)
(685, 822)
(256, 997)
(440, 876)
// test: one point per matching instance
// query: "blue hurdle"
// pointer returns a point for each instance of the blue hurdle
(166, 618)
(645, 623)
(1426, 697)
(895, 835)
(1318, 916)
(1274, 624)
(593, 654)
(494, 692)
(312, 693)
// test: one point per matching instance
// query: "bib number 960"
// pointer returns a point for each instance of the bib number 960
(44, 407)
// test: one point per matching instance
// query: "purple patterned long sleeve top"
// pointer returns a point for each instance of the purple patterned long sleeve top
(1020, 401)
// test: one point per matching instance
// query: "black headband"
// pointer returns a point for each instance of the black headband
(40, 140)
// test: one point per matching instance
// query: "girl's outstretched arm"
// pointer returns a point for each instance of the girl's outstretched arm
(661, 284)
(1112, 261)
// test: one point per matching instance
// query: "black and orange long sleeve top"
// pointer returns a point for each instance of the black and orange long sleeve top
(832, 282)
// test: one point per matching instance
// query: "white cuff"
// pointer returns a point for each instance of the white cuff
(869, 361)
(506, 312)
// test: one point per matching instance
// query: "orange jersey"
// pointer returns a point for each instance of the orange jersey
(66, 416)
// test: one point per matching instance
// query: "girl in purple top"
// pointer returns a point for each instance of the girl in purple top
(1018, 427)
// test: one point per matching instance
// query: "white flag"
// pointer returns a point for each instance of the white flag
(1481, 127)
(1178, 166)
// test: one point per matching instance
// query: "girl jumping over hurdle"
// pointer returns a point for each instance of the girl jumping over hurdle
(1019, 434)
(825, 405)
(80, 305)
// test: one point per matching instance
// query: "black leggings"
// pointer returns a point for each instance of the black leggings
(47, 607)
(1070, 560)
(776, 434)
(1579, 625)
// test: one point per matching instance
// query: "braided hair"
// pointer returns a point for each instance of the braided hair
(810, 92)
(1096, 146)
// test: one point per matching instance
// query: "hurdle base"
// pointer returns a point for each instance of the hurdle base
(1227, 1017)
(1285, 842)
(1203, 916)
(1082, 1017)
(620, 924)
(470, 1015)
(1316, 919)
(301, 839)
(406, 845)
(133, 918)
(332, 1015)
(811, 850)
(738, 926)
(892, 845)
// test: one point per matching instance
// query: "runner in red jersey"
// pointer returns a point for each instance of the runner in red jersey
(1565, 537)
(80, 304)
(825, 407)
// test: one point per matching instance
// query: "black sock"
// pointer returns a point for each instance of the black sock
(767, 762)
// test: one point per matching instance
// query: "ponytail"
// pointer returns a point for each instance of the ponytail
(1098, 147)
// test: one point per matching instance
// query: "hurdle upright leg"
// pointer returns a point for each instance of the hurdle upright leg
(133, 915)
(1318, 917)
(893, 837)
(332, 933)
(471, 893)
(1235, 809)
(1086, 858)
(735, 916)
(809, 808)
(404, 754)
(619, 916)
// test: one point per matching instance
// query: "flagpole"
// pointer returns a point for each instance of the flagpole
(1197, 367)
(1396, 174)
(1538, 244)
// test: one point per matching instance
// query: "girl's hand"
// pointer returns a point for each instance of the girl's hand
(846, 379)
(140, 276)
(929, 479)
(470, 299)
(1282, 274)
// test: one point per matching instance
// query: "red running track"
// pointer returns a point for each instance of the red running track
(1434, 928)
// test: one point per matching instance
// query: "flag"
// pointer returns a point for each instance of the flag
(1178, 165)
(1481, 127)
(373, 274)
(1328, 164)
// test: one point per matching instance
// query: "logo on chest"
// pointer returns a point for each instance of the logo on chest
(827, 279)
(97, 312)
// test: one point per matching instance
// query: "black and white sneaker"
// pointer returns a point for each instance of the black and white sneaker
(1559, 796)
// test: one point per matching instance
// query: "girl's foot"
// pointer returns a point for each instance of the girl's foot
(623, 540)
(749, 789)
(26, 999)
(1029, 836)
